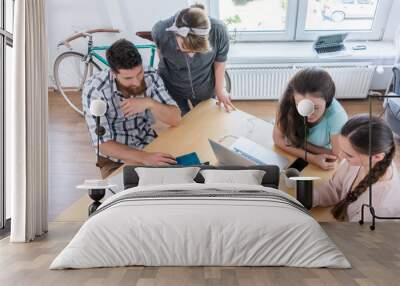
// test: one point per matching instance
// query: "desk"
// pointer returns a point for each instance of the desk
(209, 121)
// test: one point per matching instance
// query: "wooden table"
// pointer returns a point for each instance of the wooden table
(206, 121)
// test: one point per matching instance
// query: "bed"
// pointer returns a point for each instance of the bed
(201, 224)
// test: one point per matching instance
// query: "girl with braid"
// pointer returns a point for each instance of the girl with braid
(347, 190)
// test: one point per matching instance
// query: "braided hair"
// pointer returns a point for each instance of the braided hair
(356, 130)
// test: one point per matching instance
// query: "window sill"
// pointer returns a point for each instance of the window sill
(378, 52)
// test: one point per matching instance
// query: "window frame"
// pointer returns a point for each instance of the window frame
(295, 24)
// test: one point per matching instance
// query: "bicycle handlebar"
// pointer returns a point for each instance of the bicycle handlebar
(145, 35)
(85, 34)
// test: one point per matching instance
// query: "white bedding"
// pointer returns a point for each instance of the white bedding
(183, 231)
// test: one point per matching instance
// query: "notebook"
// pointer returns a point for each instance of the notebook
(188, 159)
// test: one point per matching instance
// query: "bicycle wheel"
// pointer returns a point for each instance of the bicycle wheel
(228, 85)
(70, 74)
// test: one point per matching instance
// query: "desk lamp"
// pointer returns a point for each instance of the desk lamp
(96, 188)
(305, 108)
(304, 185)
(98, 108)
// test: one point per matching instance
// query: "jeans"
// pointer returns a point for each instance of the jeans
(183, 104)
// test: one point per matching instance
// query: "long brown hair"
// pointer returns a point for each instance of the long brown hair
(356, 130)
(314, 81)
(194, 17)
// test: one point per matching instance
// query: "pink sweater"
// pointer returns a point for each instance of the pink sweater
(385, 194)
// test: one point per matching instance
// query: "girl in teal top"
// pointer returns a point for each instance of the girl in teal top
(324, 124)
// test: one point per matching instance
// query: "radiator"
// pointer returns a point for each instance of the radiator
(268, 81)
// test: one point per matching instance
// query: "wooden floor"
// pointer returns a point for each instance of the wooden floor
(71, 157)
(375, 256)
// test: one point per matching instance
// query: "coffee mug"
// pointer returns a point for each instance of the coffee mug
(290, 173)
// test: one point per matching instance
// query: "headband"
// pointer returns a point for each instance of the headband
(184, 31)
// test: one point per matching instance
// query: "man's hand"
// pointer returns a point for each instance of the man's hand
(224, 99)
(324, 161)
(133, 105)
(158, 159)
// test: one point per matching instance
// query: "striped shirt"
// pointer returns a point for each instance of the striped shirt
(135, 131)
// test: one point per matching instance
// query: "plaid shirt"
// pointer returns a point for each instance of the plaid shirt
(134, 131)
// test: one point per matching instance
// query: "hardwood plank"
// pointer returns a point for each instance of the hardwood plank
(374, 257)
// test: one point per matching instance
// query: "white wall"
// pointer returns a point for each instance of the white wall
(66, 17)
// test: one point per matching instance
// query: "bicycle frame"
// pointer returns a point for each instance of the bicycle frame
(93, 52)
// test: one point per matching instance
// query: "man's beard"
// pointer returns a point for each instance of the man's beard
(133, 90)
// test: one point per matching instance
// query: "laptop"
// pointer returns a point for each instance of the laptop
(245, 152)
(331, 46)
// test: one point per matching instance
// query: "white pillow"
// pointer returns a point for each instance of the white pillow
(166, 176)
(247, 177)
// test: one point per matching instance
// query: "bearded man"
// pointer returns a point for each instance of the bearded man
(135, 97)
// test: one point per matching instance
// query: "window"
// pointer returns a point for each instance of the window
(266, 20)
(362, 19)
(7, 88)
(254, 16)
(340, 15)
(2, 44)
(256, 19)
(6, 43)
(9, 19)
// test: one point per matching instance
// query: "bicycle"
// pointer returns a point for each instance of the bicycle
(72, 68)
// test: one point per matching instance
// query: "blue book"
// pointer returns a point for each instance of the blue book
(188, 159)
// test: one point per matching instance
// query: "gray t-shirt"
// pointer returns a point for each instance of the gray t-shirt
(173, 66)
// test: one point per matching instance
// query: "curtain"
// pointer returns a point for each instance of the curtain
(26, 120)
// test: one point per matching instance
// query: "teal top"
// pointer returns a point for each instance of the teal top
(331, 123)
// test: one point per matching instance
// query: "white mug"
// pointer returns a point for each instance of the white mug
(290, 173)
